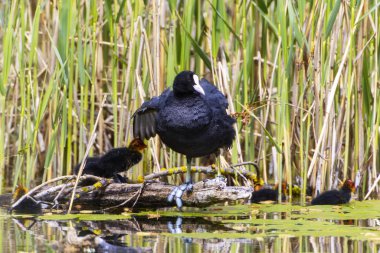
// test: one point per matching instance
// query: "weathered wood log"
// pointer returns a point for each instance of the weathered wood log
(152, 195)
(105, 194)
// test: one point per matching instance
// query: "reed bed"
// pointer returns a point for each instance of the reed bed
(301, 77)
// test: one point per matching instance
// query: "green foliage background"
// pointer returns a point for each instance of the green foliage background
(302, 77)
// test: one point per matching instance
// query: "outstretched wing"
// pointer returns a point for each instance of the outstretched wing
(144, 119)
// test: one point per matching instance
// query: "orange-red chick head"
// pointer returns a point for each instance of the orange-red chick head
(349, 184)
(19, 192)
(137, 144)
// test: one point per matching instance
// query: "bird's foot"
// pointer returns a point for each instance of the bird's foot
(178, 192)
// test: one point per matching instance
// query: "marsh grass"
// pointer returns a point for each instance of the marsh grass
(305, 73)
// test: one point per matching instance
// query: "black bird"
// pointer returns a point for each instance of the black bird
(191, 119)
(336, 197)
(266, 194)
(29, 205)
(114, 161)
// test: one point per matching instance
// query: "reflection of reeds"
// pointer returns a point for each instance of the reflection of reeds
(201, 235)
(302, 78)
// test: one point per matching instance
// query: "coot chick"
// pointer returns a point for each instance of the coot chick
(27, 206)
(191, 119)
(114, 161)
(336, 197)
(266, 194)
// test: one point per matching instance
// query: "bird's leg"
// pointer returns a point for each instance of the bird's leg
(187, 186)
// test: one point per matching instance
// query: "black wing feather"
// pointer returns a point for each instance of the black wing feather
(152, 123)
(135, 125)
(142, 126)
(144, 119)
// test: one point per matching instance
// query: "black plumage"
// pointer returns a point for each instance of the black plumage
(264, 195)
(267, 194)
(191, 119)
(336, 197)
(28, 205)
(187, 121)
(114, 161)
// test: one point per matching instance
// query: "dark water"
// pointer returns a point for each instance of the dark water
(243, 229)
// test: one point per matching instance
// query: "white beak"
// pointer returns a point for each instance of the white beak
(197, 86)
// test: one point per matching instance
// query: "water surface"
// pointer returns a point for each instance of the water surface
(240, 228)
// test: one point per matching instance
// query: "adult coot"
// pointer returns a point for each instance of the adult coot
(114, 161)
(191, 119)
(335, 197)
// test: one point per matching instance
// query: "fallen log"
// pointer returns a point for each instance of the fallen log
(101, 194)
(113, 196)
